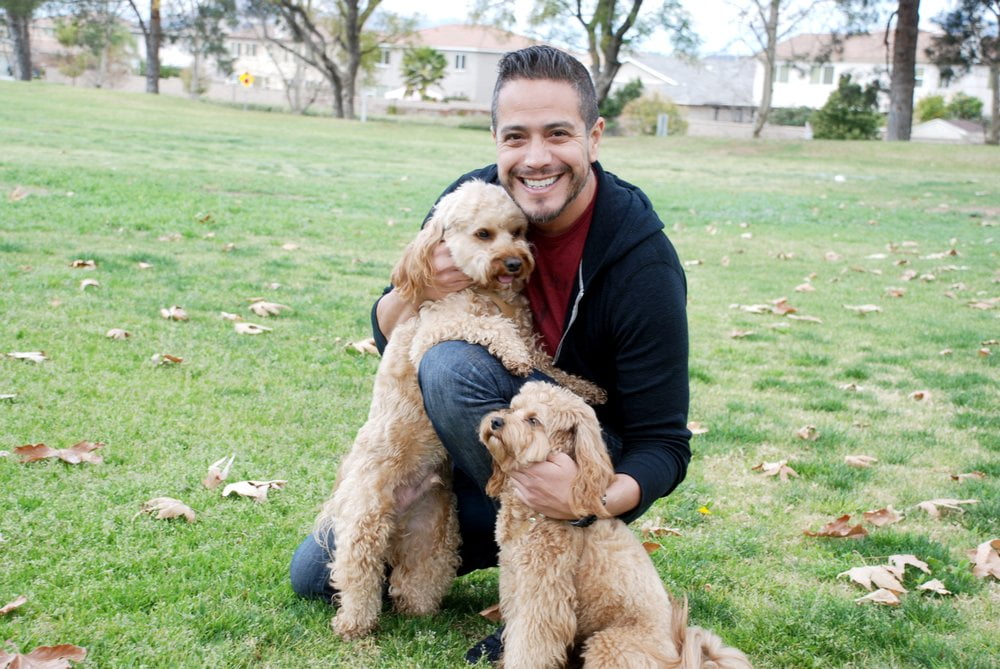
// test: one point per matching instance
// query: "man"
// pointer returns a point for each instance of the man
(608, 297)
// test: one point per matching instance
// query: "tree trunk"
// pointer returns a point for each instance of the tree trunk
(19, 28)
(770, 56)
(994, 136)
(154, 36)
(904, 62)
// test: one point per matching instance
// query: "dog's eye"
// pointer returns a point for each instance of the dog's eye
(533, 421)
(483, 233)
(516, 234)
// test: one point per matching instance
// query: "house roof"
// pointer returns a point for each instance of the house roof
(948, 129)
(472, 38)
(714, 81)
(870, 48)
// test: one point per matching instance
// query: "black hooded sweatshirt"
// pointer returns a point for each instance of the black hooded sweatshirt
(626, 330)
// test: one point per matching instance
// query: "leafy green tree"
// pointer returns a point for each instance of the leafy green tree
(966, 107)
(613, 105)
(17, 15)
(851, 112)
(202, 25)
(97, 39)
(423, 67)
(152, 33)
(930, 108)
(972, 37)
(642, 115)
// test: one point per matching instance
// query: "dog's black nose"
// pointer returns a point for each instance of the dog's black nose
(496, 423)
(512, 265)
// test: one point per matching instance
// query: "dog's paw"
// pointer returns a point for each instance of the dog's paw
(349, 629)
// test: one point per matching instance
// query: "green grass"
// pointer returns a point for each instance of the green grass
(127, 178)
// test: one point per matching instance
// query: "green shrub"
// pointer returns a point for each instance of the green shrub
(614, 104)
(931, 107)
(790, 116)
(851, 112)
(966, 107)
(641, 116)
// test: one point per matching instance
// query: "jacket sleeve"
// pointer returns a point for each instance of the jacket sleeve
(649, 330)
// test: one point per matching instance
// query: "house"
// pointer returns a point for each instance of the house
(718, 88)
(953, 131)
(808, 67)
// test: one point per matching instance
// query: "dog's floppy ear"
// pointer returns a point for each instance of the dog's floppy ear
(498, 479)
(595, 470)
(412, 274)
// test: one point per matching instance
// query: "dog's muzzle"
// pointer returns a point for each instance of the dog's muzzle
(496, 423)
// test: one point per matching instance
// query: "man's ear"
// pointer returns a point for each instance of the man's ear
(594, 138)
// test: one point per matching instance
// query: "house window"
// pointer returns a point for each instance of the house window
(781, 73)
(251, 50)
(919, 80)
(235, 49)
(821, 74)
(384, 58)
(459, 61)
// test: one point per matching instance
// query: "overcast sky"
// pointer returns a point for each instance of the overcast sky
(714, 20)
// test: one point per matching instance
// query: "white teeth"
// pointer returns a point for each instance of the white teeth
(542, 183)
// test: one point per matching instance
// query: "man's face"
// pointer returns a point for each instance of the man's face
(544, 151)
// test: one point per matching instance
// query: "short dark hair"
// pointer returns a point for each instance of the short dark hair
(546, 62)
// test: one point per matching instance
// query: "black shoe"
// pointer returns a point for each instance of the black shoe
(491, 647)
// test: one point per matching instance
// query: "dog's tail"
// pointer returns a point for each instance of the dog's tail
(700, 648)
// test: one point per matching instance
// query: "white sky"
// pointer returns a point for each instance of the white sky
(714, 20)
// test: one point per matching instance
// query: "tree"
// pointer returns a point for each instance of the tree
(930, 108)
(904, 68)
(609, 27)
(202, 24)
(614, 104)
(423, 67)
(97, 38)
(851, 112)
(19, 14)
(152, 32)
(966, 107)
(972, 37)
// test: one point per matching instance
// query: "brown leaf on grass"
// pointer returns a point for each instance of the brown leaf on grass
(16, 604)
(935, 586)
(984, 352)
(653, 528)
(986, 559)
(250, 328)
(166, 360)
(167, 507)
(779, 469)
(651, 547)
(264, 309)
(808, 433)
(89, 283)
(902, 560)
(832, 256)
(83, 264)
(985, 305)
(863, 309)
(80, 452)
(174, 313)
(363, 346)
(920, 395)
(118, 333)
(491, 613)
(18, 194)
(860, 461)
(781, 307)
(880, 596)
(882, 517)
(36, 357)
(254, 489)
(805, 288)
(230, 317)
(43, 657)
(895, 292)
(851, 387)
(753, 308)
(839, 528)
(740, 334)
(931, 505)
(144, 265)
(697, 428)
(971, 475)
(805, 319)
(218, 471)
(877, 576)
(945, 351)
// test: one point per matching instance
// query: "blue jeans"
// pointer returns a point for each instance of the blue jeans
(460, 383)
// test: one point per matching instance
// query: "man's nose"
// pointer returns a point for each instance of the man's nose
(538, 153)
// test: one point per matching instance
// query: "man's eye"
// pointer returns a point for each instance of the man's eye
(483, 234)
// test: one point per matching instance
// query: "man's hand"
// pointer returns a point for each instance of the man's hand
(546, 486)
(446, 278)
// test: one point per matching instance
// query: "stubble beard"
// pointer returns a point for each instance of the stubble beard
(577, 185)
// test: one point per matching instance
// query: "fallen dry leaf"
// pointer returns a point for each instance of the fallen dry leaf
(851, 387)
(18, 194)
(697, 428)
(901, 561)
(37, 357)
(740, 334)
(804, 319)
(255, 489)
(781, 307)
(250, 328)
(167, 507)
(945, 351)
(880, 596)
(883, 517)
(839, 528)
(43, 657)
(860, 460)
(966, 477)
(935, 586)
(83, 264)
(863, 309)
(931, 505)
(920, 395)
(653, 528)
(174, 313)
(89, 283)
(651, 547)
(363, 346)
(805, 288)
(80, 452)
(165, 359)
(895, 292)
(808, 433)
(986, 559)
(230, 317)
(118, 333)
(265, 309)
(145, 265)
(832, 256)
(16, 604)
(878, 576)
(491, 613)
(218, 471)
(779, 469)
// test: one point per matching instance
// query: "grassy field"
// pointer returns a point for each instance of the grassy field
(227, 205)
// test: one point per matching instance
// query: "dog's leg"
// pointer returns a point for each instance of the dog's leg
(497, 334)
(538, 600)
(424, 556)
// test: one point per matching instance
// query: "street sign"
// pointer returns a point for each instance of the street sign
(246, 79)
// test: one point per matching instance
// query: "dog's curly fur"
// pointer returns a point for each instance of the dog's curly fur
(397, 447)
(592, 589)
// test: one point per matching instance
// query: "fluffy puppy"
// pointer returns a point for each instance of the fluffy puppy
(593, 588)
(396, 453)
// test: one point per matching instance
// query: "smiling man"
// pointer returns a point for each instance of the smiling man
(608, 297)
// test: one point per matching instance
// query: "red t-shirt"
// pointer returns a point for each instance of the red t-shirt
(557, 261)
